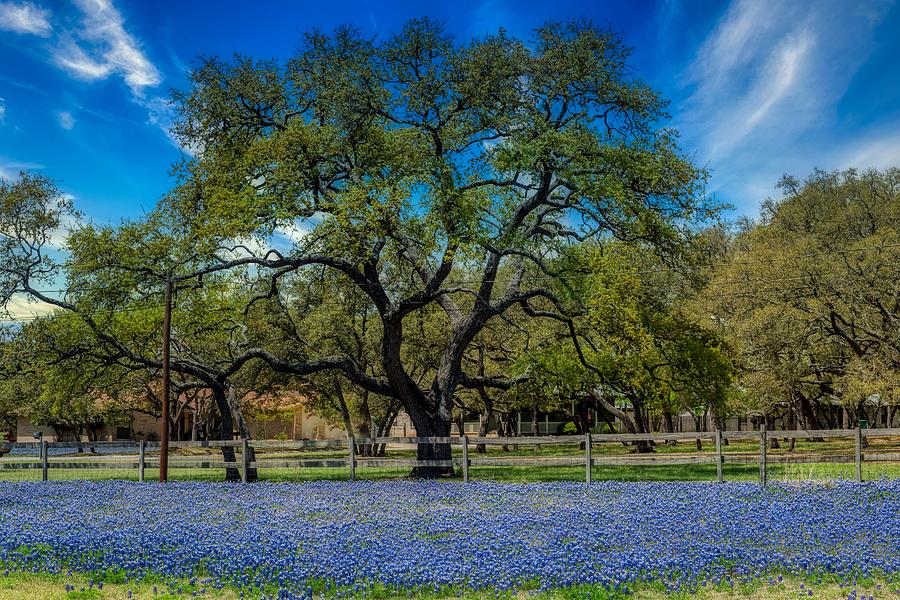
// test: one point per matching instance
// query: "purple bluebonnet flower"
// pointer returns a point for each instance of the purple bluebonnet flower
(337, 537)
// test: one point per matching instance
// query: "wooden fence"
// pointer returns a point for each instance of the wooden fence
(140, 459)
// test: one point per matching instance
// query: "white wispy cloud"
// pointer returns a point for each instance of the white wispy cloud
(22, 307)
(101, 47)
(879, 149)
(297, 231)
(25, 17)
(764, 83)
(244, 247)
(66, 120)
(67, 224)
(2, 109)
(10, 169)
(733, 43)
(751, 73)
(76, 61)
(774, 95)
(282, 239)
(161, 113)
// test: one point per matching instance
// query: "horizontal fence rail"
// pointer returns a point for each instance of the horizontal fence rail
(244, 456)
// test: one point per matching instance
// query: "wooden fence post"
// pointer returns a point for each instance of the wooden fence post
(245, 460)
(763, 470)
(352, 443)
(142, 445)
(719, 477)
(588, 460)
(858, 454)
(465, 453)
(44, 460)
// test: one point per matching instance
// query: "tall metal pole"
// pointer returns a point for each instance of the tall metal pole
(167, 384)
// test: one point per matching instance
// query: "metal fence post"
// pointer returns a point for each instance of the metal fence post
(465, 458)
(352, 444)
(588, 461)
(245, 459)
(859, 454)
(719, 477)
(44, 460)
(142, 445)
(763, 475)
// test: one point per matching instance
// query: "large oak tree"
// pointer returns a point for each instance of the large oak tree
(429, 173)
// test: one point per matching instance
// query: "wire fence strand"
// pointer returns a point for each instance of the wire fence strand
(777, 456)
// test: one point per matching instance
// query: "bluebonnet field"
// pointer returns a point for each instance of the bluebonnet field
(342, 538)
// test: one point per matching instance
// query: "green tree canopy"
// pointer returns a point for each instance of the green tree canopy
(427, 173)
(809, 297)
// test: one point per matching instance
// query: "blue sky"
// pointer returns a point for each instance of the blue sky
(757, 87)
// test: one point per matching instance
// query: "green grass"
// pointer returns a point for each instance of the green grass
(53, 587)
(17, 586)
(512, 474)
(649, 472)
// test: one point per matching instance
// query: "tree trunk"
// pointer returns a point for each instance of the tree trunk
(92, 437)
(699, 425)
(432, 426)
(669, 427)
(61, 436)
(362, 449)
(791, 425)
(642, 421)
(720, 425)
(810, 421)
(484, 418)
(384, 428)
(604, 414)
(231, 415)
(366, 425)
(505, 428)
(195, 418)
(178, 417)
(773, 439)
(584, 424)
(631, 425)
(514, 426)
(226, 432)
